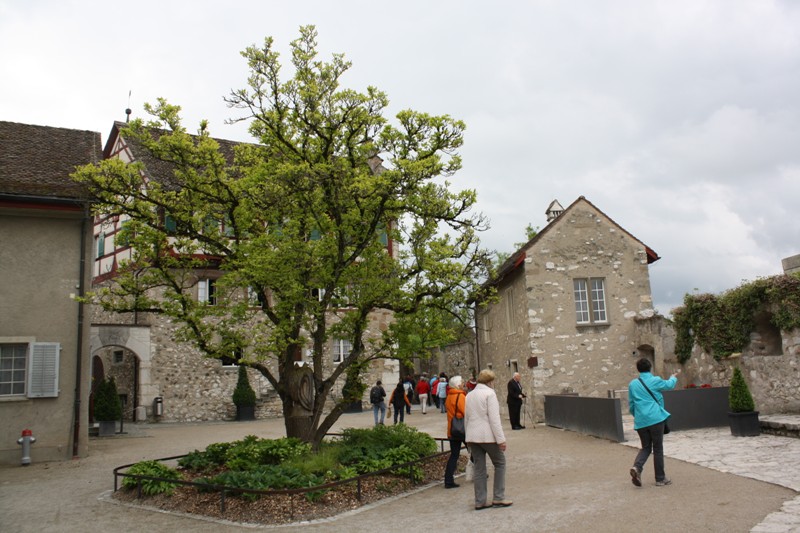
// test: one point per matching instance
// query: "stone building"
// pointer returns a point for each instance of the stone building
(161, 379)
(567, 307)
(45, 231)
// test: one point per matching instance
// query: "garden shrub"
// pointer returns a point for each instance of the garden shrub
(151, 487)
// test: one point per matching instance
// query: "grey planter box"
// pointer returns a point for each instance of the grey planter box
(697, 408)
(745, 424)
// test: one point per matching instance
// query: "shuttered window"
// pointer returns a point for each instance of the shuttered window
(29, 369)
(43, 370)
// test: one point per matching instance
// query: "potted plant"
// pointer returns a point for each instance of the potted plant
(244, 397)
(743, 417)
(107, 407)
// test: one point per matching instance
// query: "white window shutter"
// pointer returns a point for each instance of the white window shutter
(43, 370)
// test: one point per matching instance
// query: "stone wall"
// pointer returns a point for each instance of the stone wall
(196, 388)
(773, 377)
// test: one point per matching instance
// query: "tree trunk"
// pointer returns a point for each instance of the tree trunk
(300, 427)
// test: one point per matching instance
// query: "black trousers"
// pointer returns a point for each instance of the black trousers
(513, 414)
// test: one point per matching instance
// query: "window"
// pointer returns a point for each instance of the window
(118, 357)
(29, 369)
(508, 296)
(485, 325)
(255, 297)
(207, 291)
(123, 236)
(233, 359)
(590, 300)
(341, 348)
(170, 224)
(101, 244)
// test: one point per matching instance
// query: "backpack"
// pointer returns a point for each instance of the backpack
(375, 395)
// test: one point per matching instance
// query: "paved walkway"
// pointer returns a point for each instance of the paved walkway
(559, 481)
(766, 458)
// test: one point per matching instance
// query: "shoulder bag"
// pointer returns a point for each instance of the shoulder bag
(666, 427)
(457, 429)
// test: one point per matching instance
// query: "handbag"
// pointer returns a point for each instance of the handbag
(469, 471)
(666, 426)
(457, 429)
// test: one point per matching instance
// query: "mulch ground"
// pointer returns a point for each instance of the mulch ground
(285, 508)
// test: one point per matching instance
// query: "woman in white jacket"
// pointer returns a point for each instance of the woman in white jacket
(485, 437)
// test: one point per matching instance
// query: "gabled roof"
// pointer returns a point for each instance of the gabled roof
(156, 168)
(517, 257)
(36, 161)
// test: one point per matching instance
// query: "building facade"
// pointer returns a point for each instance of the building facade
(161, 379)
(45, 229)
(567, 307)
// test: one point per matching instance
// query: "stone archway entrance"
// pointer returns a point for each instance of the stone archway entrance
(126, 353)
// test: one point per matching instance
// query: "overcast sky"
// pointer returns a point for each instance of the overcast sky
(678, 119)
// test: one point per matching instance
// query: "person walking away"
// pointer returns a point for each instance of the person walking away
(441, 392)
(485, 437)
(423, 388)
(456, 407)
(434, 397)
(398, 401)
(408, 385)
(376, 396)
(646, 404)
(514, 400)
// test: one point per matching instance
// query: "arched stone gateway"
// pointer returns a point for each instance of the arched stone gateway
(137, 341)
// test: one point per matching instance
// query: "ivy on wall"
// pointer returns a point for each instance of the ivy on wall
(722, 324)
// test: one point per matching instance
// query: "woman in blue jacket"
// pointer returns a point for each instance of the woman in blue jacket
(646, 404)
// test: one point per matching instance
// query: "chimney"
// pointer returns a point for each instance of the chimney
(554, 210)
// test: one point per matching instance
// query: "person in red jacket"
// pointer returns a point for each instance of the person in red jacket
(423, 388)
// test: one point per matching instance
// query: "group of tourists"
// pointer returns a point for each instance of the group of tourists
(473, 419)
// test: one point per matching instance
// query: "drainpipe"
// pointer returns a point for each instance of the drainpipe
(76, 435)
(477, 343)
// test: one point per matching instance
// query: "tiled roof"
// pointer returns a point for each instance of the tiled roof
(155, 168)
(37, 160)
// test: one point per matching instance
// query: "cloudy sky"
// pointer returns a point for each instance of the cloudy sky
(680, 119)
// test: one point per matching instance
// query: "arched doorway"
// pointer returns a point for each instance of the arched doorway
(121, 364)
(124, 353)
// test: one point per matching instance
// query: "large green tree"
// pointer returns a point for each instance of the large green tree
(306, 220)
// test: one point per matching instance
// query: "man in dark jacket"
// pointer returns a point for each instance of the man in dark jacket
(514, 400)
(376, 398)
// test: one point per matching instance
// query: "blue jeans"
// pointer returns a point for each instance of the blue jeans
(379, 407)
(652, 438)
(479, 452)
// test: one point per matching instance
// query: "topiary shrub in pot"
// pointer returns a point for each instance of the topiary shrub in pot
(743, 417)
(107, 407)
(244, 397)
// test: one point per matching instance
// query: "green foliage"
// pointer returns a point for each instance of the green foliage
(722, 325)
(151, 487)
(197, 461)
(107, 405)
(354, 387)
(252, 451)
(361, 445)
(243, 394)
(302, 218)
(261, 464)
(403, 454)
(739, 398)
